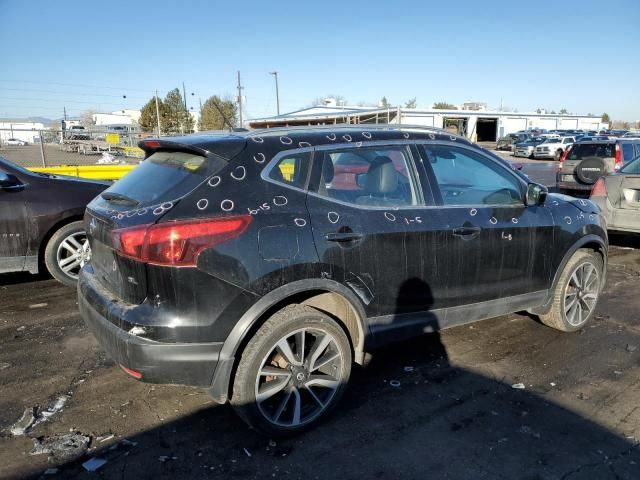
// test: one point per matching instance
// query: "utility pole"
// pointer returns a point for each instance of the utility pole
(157, 113)
(275, 75)
(65, 113)
(240, 87)
(184, 97)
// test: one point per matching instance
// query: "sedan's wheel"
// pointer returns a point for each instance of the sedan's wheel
(66, 253)
(292, 372)
(576, 293)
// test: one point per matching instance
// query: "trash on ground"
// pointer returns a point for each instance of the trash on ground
(408, 369)
(24, 423)
(21, 328)
(553, 384)
(518, 386)
(4, 365)
(104, 439)
(62, 447)
(38, 305)
(50, 471)
(632, 348)
(93, 464)
(394, 383)
(247, 452)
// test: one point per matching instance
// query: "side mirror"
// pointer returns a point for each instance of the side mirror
(536, 194)
(9, 181)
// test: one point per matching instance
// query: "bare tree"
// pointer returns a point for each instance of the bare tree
(86, 118)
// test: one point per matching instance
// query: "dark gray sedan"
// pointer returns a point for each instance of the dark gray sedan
(618, 196)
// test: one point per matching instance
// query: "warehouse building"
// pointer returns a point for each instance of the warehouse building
(477, 125)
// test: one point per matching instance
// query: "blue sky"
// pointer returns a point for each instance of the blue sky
(579, 55)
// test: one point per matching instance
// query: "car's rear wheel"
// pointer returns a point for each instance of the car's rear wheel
(576, 293)
(66, 253)
(292, 372)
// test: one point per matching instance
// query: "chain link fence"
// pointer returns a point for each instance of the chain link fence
(73, 146)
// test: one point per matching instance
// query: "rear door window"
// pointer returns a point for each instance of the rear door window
(374, 176)
(162, 177)
(627, 152)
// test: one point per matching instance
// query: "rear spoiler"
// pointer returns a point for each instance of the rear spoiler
(151, 145)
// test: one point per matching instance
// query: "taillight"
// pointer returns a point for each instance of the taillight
(618, 164)
(177, 243)
(152, 143)
(133, 373)
(599, 189)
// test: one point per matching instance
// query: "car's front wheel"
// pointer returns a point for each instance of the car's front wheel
(66, 253)
(292, 372)
(576, 293)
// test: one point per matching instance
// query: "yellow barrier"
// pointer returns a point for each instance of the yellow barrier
(94, 172)
(287, 171)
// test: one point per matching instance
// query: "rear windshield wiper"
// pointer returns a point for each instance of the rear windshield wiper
(119, 198)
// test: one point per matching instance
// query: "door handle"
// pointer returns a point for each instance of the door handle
(466, 233)
(343, 236)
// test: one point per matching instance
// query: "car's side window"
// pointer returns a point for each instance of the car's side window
(627, 151)
(292, 169)
(370, 176)
(465, 177)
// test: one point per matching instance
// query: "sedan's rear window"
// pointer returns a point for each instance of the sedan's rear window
(162, 177)
(581, 151)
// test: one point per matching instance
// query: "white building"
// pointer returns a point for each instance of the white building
(21, 129)
(482, 125)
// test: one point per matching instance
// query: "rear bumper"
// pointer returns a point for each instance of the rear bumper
(158, 362)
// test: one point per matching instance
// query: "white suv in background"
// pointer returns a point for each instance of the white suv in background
(553, 147)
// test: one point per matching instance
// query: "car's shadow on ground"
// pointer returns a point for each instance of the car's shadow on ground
(437, 421)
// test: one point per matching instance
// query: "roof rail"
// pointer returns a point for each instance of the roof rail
(359, 126)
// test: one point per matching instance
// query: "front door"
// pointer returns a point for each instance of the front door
(14, 228)
(497, 247)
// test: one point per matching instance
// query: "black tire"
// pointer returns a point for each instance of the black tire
(571, 318)
(275, 413)
(56, 253)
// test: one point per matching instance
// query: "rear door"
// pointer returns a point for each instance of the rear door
(496, 246)
(626, 200)
(143, 197)
(373, 230)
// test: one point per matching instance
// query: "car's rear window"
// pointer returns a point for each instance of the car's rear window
(162, 177)
(581, 151)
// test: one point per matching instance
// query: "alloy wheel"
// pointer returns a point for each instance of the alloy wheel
(73, 252)
(299, 377)
(581, 293)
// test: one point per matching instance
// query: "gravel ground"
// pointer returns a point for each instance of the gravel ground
(454, 415)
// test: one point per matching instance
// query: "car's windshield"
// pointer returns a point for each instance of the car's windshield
(552, 140)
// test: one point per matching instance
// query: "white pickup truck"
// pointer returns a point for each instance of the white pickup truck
(553, 147)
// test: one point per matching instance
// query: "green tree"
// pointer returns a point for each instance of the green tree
(606, 118)
(411, 103)
(564, 111)
(178, 119)
(444, 106)
(384, 103)
(539, 110)
(148, 119)
(218, 114)
(553, 112)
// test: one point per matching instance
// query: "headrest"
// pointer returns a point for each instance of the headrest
(382, 176)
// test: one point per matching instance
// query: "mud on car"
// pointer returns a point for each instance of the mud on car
(262, 265)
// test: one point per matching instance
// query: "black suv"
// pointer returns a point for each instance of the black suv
(260, 265)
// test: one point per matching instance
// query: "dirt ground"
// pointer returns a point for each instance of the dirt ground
(455, 414)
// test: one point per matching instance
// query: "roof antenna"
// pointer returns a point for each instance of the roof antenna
(224, 117)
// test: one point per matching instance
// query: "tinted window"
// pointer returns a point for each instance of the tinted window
(163, 176)
(468, 178)
(292, 169)
(369, 177)
(585, 150)
(627, 152)
(633, 167)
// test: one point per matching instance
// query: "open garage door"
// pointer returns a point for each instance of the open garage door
(487, 129)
